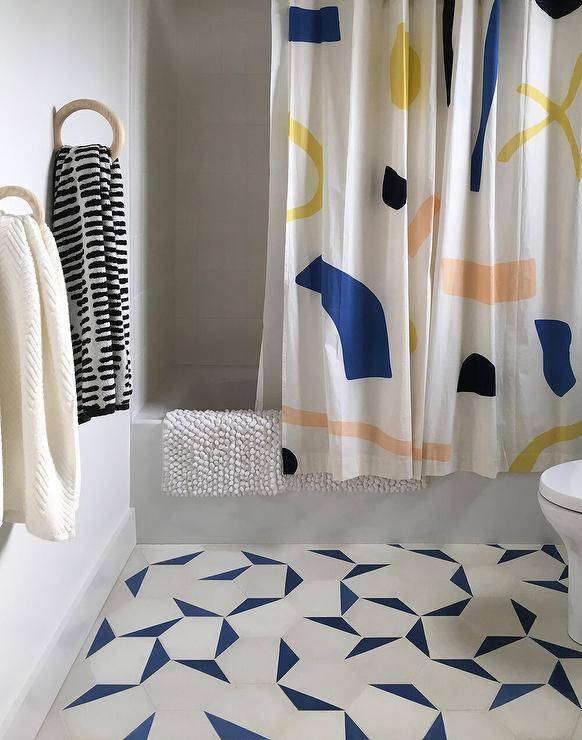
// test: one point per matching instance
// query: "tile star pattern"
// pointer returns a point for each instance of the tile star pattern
(348, 641)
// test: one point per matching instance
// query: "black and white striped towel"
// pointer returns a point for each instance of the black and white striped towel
(90, 230)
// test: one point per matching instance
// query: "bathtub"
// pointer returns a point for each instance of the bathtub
(458, 508)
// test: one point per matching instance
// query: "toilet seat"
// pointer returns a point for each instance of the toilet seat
(562, 485)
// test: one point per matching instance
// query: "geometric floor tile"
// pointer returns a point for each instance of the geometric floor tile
(251, 660)
(372, 618)
(542, 713)
(476, 725)
(142, 732)
(335, 641)
(381, 714)
(229, 731)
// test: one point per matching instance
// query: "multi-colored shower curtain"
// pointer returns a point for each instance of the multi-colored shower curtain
(426, 225)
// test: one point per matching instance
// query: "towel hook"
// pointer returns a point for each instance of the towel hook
(87, 104)
(15, 191)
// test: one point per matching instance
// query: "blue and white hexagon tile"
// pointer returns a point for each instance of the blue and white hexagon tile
(342, 641)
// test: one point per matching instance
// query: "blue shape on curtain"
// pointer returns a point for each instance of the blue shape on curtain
(314, 26)
(555, 337)
(490, 64)
(358, 316)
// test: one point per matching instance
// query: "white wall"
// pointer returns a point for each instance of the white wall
(52, 52)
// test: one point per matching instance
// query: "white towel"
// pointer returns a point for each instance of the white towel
(38, 408)
(237, 453)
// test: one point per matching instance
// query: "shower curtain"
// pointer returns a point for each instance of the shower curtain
(422, 309)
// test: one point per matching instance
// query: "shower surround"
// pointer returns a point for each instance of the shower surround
(199, 150)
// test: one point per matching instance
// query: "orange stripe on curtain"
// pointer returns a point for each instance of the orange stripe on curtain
(503, 281)
(368, 432)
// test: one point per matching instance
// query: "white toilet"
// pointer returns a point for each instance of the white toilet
(560, 498)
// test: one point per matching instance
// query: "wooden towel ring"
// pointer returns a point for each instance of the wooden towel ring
(87, 104)
(15, 191)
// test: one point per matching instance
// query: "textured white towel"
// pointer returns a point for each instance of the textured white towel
(38, 408)
(237, 453)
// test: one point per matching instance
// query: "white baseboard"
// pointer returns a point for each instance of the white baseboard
(37, 696)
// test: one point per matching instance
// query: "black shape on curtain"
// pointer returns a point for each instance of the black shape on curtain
(289, 461)
(448, 55)
(559, 8)
(393, 189)
(477, 375)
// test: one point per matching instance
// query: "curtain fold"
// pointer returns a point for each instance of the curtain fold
(425, 248)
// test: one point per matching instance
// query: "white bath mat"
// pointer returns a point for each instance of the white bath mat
(238, 453)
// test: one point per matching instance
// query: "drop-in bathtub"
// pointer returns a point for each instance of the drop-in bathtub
(459, 508)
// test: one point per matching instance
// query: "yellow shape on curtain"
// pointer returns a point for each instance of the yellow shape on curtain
(404, 70)
(412, 337)
(556, 113)
(525, 461)
(304, 139)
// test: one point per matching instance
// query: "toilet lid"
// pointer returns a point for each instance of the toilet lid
(562, 485)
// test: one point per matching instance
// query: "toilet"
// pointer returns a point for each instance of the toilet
(560, 497)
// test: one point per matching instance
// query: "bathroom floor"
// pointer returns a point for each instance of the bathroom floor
(317, 642)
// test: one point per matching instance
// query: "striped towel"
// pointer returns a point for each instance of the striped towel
(90, 231)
